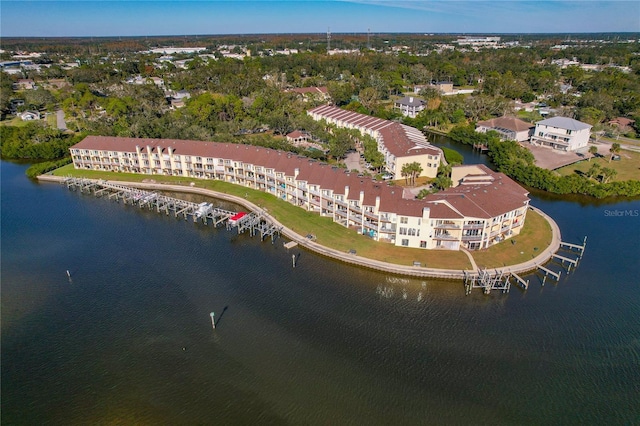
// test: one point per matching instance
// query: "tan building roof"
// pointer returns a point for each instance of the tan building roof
(504, 122)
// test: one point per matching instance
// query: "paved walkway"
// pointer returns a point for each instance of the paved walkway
(62, 125)
(415, 271)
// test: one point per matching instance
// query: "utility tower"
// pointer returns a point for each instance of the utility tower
(328, 39)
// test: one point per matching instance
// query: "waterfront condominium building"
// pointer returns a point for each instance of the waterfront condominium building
(483, 208)
(398, 143)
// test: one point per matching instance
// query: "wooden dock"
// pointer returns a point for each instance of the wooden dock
(254, 223)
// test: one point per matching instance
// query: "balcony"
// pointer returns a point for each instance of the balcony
(447, 225)
(473, 225)
(446, 236)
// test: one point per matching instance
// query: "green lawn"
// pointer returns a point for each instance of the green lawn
(335, 236)
(15, 121)
(534, 237)
(52, 120)
(628, 167)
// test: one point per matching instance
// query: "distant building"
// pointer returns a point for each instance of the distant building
(561, 133)
(24, 84)
(622, 122)
(444, 86)
(297, 137)
(409, 106)
(174, 50)
(177, 99)
(479, 41)
(509, 128)
(30, 115)
(307, 93)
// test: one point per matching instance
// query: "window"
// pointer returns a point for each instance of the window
(403, 231)
(423, 244)
(405, 242)
(404, 219)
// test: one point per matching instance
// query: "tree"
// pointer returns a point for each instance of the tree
(593, 170)
(608, 174)
(593, 150)
(415, 169)
(410, 171)
(405, 172)
(368, 98)
(614, 150)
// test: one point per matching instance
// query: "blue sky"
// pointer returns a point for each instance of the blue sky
(177, 17)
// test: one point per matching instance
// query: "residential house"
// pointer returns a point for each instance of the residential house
(622, 123)
(178, 99)
(509, 128)
(409, 106)
(24, 84)
(30, 115)
(561, 133)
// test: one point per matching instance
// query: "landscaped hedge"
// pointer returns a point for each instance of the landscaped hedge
(41, 168)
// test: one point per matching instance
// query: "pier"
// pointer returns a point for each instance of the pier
(487, 281)
(578, 247)
(255, 223)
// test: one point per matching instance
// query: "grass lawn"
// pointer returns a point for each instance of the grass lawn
(52, 120)
(536, 232)
(15, 121)
(628, 167)
(534, 237)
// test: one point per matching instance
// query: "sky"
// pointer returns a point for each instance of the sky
(52, 18)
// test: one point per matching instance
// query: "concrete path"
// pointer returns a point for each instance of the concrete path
(62, 125)
(471, 259)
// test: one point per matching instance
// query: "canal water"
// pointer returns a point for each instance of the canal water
(128, 339)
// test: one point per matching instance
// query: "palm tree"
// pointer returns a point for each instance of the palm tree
(615, 148)
(406, 172)
(607, 174)
(593, 150)
(415, 169)
(593, 170)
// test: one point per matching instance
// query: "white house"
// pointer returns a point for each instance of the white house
(409, 106)
(509, 128)
(561, 133)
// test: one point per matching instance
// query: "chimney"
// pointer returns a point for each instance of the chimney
(411, 99)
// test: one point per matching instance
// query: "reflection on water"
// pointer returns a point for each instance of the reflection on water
(129, 340)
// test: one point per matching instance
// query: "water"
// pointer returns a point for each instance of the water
(129, 339)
